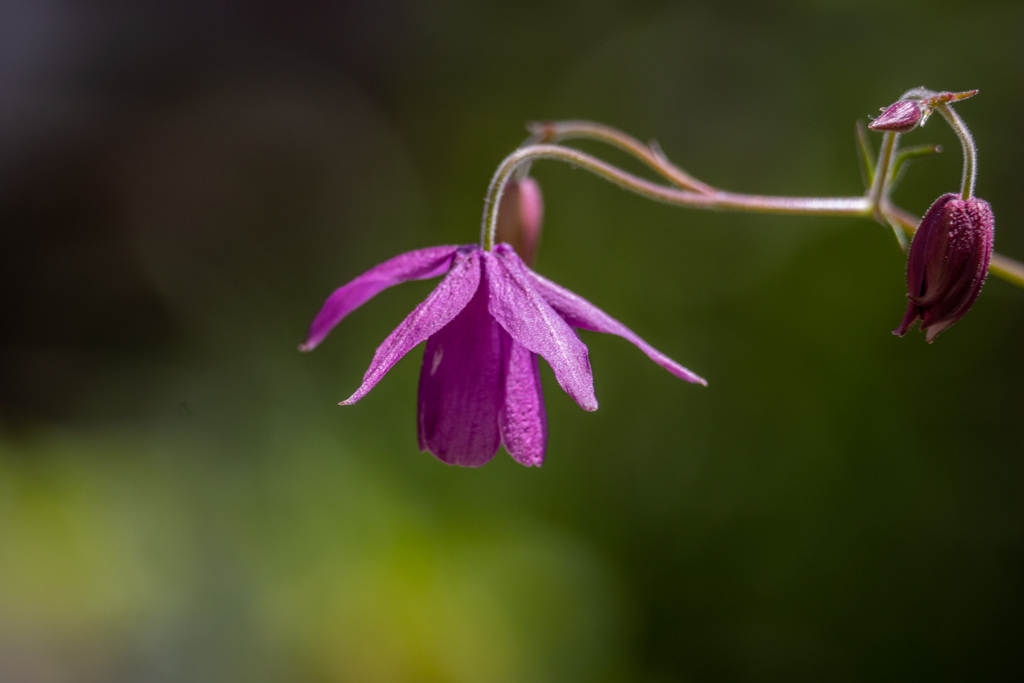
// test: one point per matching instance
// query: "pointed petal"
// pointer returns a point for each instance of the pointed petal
(413, 265)
(912, 314)
(579, 312)
(436, 311)
(933, 330)
(923, 245)
(523, 422)
(530, 321)
(461, 387)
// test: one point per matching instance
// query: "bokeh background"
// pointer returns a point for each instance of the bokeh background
(181, 499)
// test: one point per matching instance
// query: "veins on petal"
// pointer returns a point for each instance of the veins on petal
(530, 321)
(414, 265)
(437, 310)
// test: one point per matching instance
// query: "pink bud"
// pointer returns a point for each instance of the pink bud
(901, 117)
(520, 216)
(948, 263)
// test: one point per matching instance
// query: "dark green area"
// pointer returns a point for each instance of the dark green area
(181, 499)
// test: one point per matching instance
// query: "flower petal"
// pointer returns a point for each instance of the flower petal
(461, 387)
(579, 312)
(912, 314)
(523, 422)
(436, 311)
(530, 321)
(413, 265)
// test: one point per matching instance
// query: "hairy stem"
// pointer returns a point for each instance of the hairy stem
(970, 151)
(879, 183)
(691, 192)
(714, 200)
(557, 131)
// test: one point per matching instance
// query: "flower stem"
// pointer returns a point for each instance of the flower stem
(867, 166)
(970, 151)
(712, 200)
(878, 184)
(692, 193)
(557, 131)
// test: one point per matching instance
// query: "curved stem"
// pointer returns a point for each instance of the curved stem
(557, 131)
(970, 151)
(1001, 266)
(905, 155)
(918, 93)
(715, 200)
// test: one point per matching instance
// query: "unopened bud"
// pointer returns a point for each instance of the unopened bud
(520, 216)
(901, 117)
(948, 262)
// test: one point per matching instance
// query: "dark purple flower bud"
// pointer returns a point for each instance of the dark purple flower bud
(901, 117)
(520, 216)
(948, 263)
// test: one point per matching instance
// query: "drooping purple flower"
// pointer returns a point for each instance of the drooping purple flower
(948, 262)
(485, 324)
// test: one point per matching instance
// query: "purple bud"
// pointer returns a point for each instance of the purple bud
(520, 216)
(948, 263)
(901, 117)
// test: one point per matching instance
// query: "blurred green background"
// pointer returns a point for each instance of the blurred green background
(181, 499)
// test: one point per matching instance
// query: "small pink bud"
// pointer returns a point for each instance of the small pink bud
(948, 263)
(901, 117)
(520, 216)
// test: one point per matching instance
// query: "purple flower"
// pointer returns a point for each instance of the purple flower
(948, 263)
(484, 324)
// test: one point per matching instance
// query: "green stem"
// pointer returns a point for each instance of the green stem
(867, 167)
(970, 151)
(712, 199)
(651, 156)
(908, 153)
(715, 200)
(878, 185)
